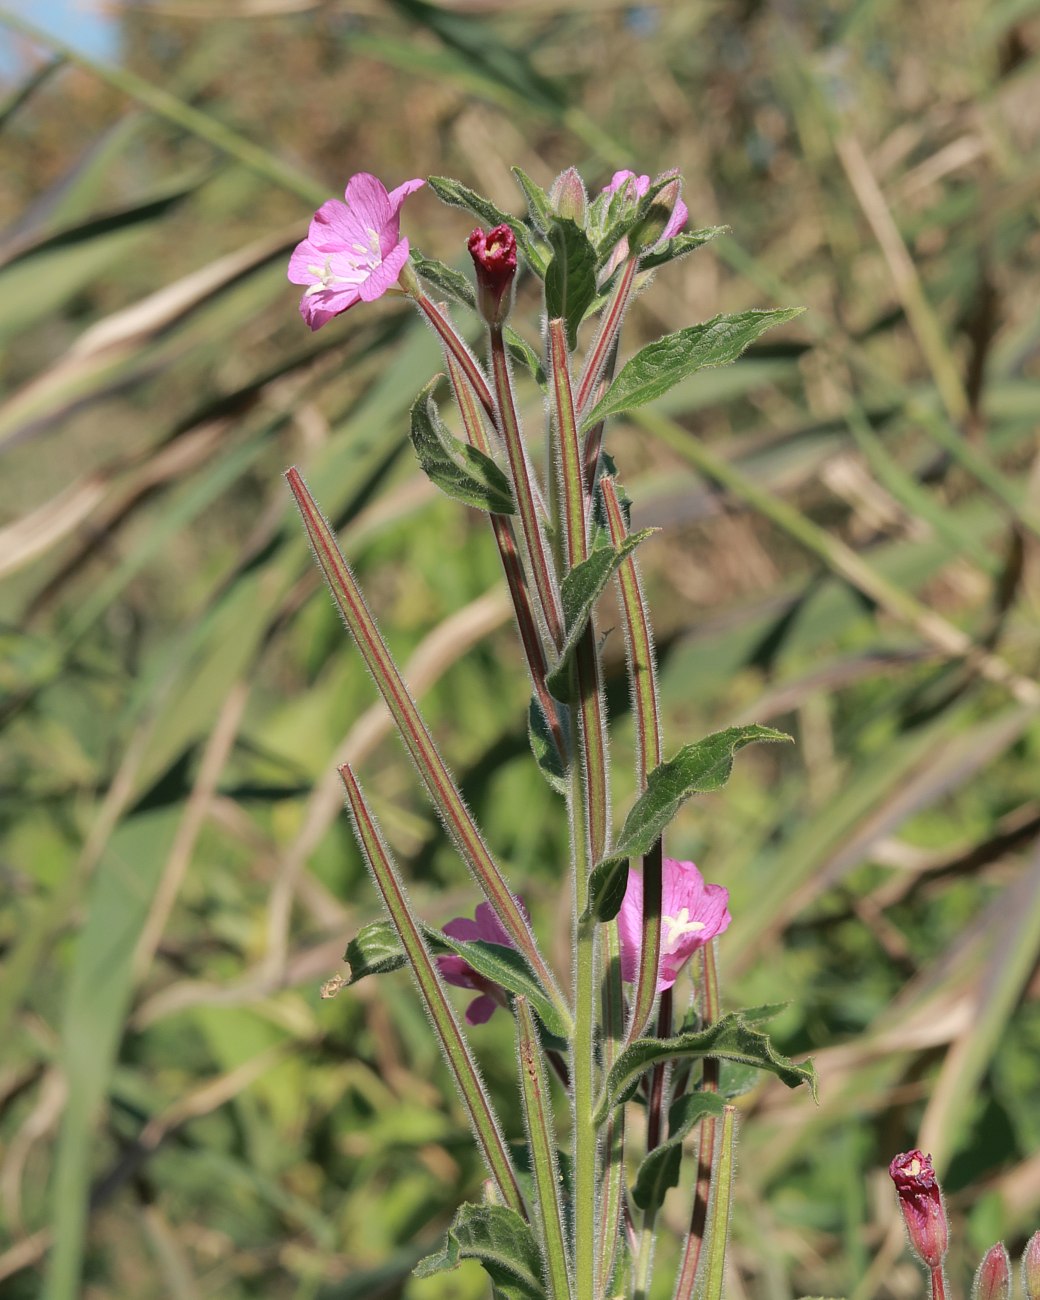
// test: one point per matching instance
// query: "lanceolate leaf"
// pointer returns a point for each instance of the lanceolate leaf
(506, 967)
(730, 1039)
(452, 283)
(458, 195)
(454, 466)
(570, 280)
(579, 591)
(660, 1169)
(679, 246)
(661, 365)
(501, 1241)
(537, 200)
(374, 950)
(546, 755)
(695, 769)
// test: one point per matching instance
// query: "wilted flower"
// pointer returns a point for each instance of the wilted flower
(353, 251)
(494, 259)
(993, 1280)
(921, 1203)
(692, 913)
(457, 970)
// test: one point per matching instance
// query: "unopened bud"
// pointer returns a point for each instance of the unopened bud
(568, 198)
(494, 257)
(921, 1203)
(665, 217)
(1031, 1268)
(993, 1280)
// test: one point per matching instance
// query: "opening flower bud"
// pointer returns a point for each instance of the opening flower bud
(921, 1204)
(1031, 1268)
(494, 258)
(993, 1280)
(666, 217)
(568, 197)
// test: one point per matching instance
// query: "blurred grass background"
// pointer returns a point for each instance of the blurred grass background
(850, 552)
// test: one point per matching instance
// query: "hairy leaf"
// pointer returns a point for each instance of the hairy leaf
(570, 280)
(458, 195)
(660, 1169)
(374, 950)
(537, 200)
(454, 466)
(662, 364)
(579, 591)
(695, 769)
(500, 1241)
(546, 755)
(452, 283)
(506, 967)
(729, 1039)
(679, 246)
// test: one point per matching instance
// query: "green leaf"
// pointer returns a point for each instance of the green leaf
(729, 1039)
(570, 280)
(660, 1169)
(695, 769)
(522, 353)
(457, 195)
(500, 1241)
(662, 364)
(546, 755)
(454, 284)
(374, 950)
(454, 466)
(579, 591)
(506, 967)
(679, 246)
(537, 200)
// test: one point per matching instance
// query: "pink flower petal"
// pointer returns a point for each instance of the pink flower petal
(678, 219)
(385, 274)
(337, 228)
(481, 1009)
(368, 200)
(303, 257)
(397, 196)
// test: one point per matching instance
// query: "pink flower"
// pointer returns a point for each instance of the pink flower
(457, 970)
(921, 1203)
(635, 186)
(657, 228)
(353, 251)
(692, 913)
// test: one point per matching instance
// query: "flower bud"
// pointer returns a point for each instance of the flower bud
(1031, 1268)
(494, 257)
(920, 1200)
(665, 217)
(568, 198)
(993, 1280)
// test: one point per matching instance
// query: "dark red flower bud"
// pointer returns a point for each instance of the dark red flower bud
(921, 1203)
(993, 1280)
(494, 257)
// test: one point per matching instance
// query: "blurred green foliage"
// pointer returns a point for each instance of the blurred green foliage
(850, 551)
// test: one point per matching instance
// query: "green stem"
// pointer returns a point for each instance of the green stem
(541, 1133)
(522, 477)
(505, 538)
(456, 1051)
(416, 736)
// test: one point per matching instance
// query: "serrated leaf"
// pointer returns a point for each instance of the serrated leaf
(570, 279)
(454, 466)
(579, 591)
(660, 1169)
(499, 1239)
(679, 246)
(663, 364)
(537, 200)
(546, 755)
(729, 1039)
(457, 195)
(696, 769)
(446, 278)
(505, 967)
(374, 950)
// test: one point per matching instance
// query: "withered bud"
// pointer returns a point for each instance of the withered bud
(494, 258)
(921, 1203)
